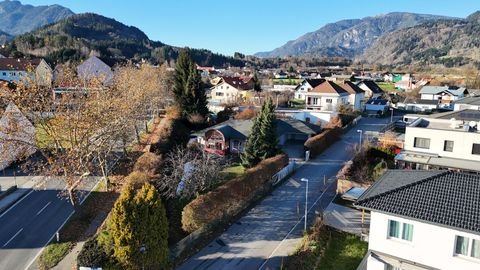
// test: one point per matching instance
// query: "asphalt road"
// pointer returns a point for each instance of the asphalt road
(28, 225)
(271, 230)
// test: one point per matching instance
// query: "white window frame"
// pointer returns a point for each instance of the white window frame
(400, 237)
(469, 248)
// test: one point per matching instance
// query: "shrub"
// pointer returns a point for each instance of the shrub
(92, 254)
(196, 119)
(148, 163)
(173, 112)
(317, 144)
(232, 197)
(248, 113)
(137, 178)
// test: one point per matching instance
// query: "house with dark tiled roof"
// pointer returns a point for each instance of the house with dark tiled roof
(18, 69)
(305, 86)
(423, 220)
(230, 90)
(356, 95)
(372, 90)
(326, 96)
(230, 136)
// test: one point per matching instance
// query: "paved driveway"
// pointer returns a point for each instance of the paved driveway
(271, 230)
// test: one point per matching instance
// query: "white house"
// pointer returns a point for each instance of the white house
(442, 141)
(445, 95)
(471, 103)
(17, 69)
(326, 96)
(372, 90)
(356, 95)
(418, 105)
(17, 136)
(423, 220)
(231, 90)
(94, 68)
(305, 86)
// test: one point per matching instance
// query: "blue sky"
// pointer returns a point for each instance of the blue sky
(247, 26)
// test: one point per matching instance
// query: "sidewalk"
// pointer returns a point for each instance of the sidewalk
(25, 185)
(345, 219)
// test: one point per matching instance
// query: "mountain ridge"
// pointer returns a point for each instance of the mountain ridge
(348, 38)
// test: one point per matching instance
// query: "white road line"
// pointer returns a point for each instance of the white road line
(19, 201)
(15, 235)
(290, 232)
(43, 208)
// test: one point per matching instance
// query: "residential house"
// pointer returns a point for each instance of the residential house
(448, 140)
(377, 106)
(305, 86)
(418, 105)
(356, 95)
(281, 75)
(406, 83)
(230, 137)
(231, 90)
(326, 96)
(445, 95)
(19, 69)
(471, 103)
(423, 220)
(372, 90)
(17, 136)
(95, 69)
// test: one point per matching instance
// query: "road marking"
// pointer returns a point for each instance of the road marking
(19, 201)
(15, 235)
(43, 208)
(290, 232)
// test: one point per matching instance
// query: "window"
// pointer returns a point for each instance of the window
(315, 101)
(329, 100)
(219, 94)
(400, 230)
(476, 149)
(421, 143)
(465, 246)
(448, 146)
(4, 73)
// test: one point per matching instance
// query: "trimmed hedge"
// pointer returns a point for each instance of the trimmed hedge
(232, 197)
(317, 144)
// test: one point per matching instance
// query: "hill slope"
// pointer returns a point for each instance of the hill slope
(16, 18)
(348, 38)
(81, 35)
(449, 42)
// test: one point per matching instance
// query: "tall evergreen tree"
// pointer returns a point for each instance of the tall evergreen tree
(188, 91)
(262, 142)
(139, 229)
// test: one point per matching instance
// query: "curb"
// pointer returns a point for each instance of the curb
(10, 204)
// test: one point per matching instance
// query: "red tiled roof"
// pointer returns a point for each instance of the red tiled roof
(351, 88)
(238, 83)
(329, 87)
(18, 63)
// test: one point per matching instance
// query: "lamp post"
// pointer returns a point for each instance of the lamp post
(306, 202)
(143, 250)
(360, 131)
(391, 115)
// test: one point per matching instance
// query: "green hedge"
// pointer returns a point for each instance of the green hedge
(317, 144)
(232, 197)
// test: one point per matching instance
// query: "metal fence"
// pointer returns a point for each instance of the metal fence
(286, 171)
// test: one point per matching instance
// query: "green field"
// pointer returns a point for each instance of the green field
(344, 251)
(287, 81)
(387, 86)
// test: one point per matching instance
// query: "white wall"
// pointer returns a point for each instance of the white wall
(431, 245)
(230, 93)
(445, 97)
(458, 107)
(322, 117)
(302, 90)
(462, 146)
(322, 101)
(356, 100)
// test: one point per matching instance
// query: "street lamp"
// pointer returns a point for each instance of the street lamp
(391, 116)
(306, 202)
(143, 250)
(360, 131)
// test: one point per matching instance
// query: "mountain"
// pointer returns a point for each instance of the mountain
(16, 19)
(348, 38)
(78, 36)
(5, 37)
(449, 42)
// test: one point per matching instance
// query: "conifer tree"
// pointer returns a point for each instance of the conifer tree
(139, 229)
(188, 92)
(262, 142)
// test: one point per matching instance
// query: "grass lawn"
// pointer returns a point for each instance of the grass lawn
(387, 86)
(51, 254)
(344, 251)
(233, 171)
(297, 103)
